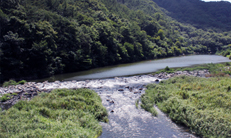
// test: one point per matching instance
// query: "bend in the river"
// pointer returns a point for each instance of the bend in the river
(120, 93)
(143, 67)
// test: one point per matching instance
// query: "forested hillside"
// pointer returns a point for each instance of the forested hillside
(216, 15)
(40, 38)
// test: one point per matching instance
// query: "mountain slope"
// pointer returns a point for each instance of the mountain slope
(40, 38)
(199, 13)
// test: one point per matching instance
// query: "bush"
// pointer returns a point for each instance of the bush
(12, 82)
(6, 97)
(8, 83)
(22, 82)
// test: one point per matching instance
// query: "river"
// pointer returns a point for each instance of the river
(119, 95)
(143, 67)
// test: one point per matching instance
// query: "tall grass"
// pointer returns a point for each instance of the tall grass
(202, 104)
(61, 113)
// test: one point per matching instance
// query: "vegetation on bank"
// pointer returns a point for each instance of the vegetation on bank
(201, 104)
(12, 82)
(221, 69)
(226, 51)
(7, 96)
(61, 113)
(40, 38)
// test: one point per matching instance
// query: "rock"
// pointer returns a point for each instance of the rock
(18, 92)
(130, 89)
(45, 82)
(57, 82)
(120, 89)
(112, 102)
(156, 80)
(112, 111)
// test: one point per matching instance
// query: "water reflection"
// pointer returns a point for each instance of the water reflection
(140, 67)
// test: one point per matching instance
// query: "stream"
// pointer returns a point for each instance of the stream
(143, 67)
(119, 95)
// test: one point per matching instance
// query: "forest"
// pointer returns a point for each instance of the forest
(40, 38)
(215, 15)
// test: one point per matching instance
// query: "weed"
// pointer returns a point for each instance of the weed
(137, 103)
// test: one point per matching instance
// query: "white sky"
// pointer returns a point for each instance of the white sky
(217, 0)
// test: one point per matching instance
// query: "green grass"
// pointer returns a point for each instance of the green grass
(137, 103)
(7, 96)
(202, 104)
(61, 113)
(12, 82)
(215, 69)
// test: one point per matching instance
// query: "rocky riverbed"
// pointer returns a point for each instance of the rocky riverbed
(31, 89)
(118, 96)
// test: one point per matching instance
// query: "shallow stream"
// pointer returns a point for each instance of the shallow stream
(119, 95)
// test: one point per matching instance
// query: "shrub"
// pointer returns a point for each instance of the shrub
(22, 82)
(12, 82)
(8, 83)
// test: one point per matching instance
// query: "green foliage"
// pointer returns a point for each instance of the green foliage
(8, 83)
(222, 69)
(148, 106)
(7, 96)
(61, 113)
(22, 82)
(12, 82)
(47, 37)
(199, 13)
(137, 103)
(202, 104)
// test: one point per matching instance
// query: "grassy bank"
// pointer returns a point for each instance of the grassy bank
(61, 113)
(221, 69)
(202, 104)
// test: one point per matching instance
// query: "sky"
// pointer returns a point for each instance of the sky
(217, 0)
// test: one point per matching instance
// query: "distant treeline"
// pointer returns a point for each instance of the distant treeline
(40, 38)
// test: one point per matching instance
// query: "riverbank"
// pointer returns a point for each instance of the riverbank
(139, 68)
(201, 104)
(118, 97)
(31, 89)
(60, 113)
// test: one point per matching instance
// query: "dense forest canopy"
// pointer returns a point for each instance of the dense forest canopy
(40, 38)
(216, 15)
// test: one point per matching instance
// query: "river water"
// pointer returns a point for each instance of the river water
(119, 95)
(139, 67)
